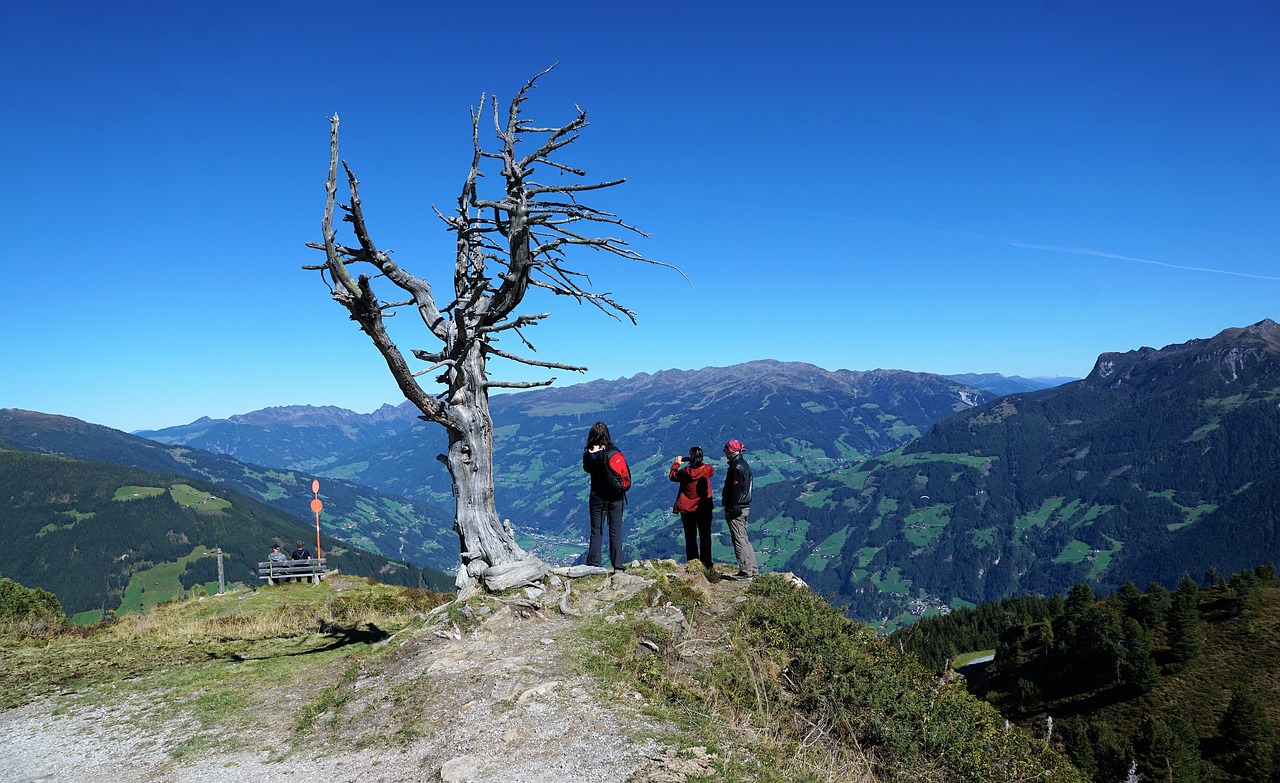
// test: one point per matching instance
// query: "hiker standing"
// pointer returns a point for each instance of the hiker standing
(693, 502)
(736, 499)
(610, 481)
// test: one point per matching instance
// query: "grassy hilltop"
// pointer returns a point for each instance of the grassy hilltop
(657, 674)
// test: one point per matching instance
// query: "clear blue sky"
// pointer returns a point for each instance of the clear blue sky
(948, 187)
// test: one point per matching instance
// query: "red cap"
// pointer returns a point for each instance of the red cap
(735, 446)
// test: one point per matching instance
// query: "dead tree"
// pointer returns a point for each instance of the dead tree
(505, 244)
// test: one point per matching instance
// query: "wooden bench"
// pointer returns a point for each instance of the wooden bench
(312, 570)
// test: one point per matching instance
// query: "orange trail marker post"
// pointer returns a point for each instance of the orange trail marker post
(316, 505)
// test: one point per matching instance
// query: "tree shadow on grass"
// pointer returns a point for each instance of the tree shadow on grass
(340, 636)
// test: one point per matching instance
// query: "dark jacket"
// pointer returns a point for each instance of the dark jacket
(597, 465)
(301, 554)
(695, 487)
(737, 484)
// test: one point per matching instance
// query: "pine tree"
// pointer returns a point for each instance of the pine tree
(1161, 755)
(1193, 762)
(1184, 624)
(1130, 600)
(1156, 607)
(1247, 588)
(1079, 598)
(1075, 737)
(1248, 741)
(1138, 668)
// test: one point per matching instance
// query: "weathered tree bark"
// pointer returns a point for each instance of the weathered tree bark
(525, 231)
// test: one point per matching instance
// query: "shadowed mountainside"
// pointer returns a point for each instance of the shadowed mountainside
(105, 537)
(1160, 462)
(411, 531)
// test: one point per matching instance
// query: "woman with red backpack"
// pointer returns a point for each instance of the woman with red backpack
(610, 480)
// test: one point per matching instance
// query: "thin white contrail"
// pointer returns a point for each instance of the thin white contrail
(1084, 251)
(1081, 251)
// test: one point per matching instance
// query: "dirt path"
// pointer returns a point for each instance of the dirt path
(505, 703)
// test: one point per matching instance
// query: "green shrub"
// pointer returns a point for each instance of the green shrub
(28, 611)
(801, 661)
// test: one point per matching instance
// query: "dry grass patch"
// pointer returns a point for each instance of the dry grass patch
(212, 639)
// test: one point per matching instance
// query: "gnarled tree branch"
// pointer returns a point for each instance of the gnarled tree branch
(524, 227)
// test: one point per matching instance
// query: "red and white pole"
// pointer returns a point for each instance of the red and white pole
(316, 505)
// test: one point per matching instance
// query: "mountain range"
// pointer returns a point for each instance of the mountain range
(296, 437)
(1001, 385)
(1159, 463)
(894, 492)
(797, 419)
(307, 437)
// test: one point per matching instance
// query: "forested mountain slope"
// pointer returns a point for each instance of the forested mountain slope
(96, 535)
(1160, 462)
(395, 527)
(1181, 684)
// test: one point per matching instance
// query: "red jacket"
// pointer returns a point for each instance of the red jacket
(695, 487)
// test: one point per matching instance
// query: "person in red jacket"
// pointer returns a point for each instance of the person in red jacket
(694, 504)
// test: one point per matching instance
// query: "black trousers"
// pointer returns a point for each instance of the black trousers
(611, 509)
(697, 535)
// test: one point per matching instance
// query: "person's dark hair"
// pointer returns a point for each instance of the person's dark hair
(599, 436)
(695, 457)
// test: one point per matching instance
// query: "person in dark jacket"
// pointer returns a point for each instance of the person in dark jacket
(694, 504)
(606, 501)
(736, 499)
(301, 552)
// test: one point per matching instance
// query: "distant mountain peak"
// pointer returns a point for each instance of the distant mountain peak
(1231, 349)
(1267, 331)
(1002, 385)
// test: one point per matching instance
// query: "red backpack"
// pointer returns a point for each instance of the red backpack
(619, 474)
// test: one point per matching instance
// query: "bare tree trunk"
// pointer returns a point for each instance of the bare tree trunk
(489, 549)
(504, 247)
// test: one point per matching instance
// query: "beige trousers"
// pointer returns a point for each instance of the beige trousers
(737, 519)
